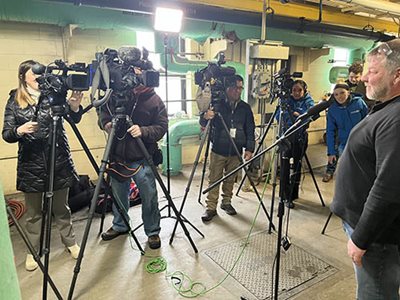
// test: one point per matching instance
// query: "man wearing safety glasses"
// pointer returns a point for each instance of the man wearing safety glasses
(367, 194)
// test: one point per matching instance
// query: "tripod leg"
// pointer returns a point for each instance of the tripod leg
(123, 212)
(315, 181)
(103, 209)
(204, 165)
(245, 168)
(32, 250)
(42, 227)
(187, 189)
(49, 195)
(102, 169)
(260, 144)
(274, 184)
(283, 183)
(107, 189)
(326, 223)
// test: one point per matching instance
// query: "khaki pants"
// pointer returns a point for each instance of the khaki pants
(61, 213)
(221, 165)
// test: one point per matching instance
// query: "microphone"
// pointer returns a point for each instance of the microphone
(38, 69)
(315, 110)
(129, 54)
(297, 74)
(280, 73)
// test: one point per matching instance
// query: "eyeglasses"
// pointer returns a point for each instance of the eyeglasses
(383, 48)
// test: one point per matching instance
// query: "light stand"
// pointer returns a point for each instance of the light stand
(167, 20)
(166, 105)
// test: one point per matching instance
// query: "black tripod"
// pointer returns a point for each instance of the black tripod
(207, 137)
(284, 180)
(57, 112)
(120, 116)
(32, 250)
(259, 147)
(106, 184)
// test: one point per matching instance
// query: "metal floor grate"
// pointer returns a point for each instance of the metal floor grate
(254, 269)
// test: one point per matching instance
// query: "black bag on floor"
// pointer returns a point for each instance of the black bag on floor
(80, 194)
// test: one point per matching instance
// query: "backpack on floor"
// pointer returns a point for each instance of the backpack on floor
(81, 193)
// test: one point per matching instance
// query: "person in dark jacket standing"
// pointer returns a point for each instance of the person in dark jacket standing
(239, 119)
(150, 120)
(346, 111)
(33, 157)
(297, 104)
(367, 193)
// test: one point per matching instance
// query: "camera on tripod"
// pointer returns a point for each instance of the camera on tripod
(127, 68)
(283, 83)
(54, 86)
(213, 81)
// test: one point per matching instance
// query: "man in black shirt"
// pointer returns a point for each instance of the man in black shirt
(238, 117)
(367, 194)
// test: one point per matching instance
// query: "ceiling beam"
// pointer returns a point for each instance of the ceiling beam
(294, 10)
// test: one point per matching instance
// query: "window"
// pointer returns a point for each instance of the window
(340, 58)
(176, 83)
(176, 93)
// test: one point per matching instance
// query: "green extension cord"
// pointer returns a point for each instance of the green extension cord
(156, 265)
(182, 283)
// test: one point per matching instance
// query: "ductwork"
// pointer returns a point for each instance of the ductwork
(383, 6)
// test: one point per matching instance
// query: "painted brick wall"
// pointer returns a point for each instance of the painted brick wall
(45, 43)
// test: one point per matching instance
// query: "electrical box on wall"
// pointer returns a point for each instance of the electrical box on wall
(269, 52)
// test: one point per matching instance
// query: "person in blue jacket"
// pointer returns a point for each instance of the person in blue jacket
(297, 104)
(346, 111)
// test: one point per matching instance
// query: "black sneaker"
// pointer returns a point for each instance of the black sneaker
(208, 215)
(289, 204)
(228, 208)
(154, 241)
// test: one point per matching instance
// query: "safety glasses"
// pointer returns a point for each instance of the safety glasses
(383, 48)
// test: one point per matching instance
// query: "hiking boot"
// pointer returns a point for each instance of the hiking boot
(111, 234)
(30, 263)
(327, 177)
(208, 215)
(154, 241)
(74, 250)
(228, 208)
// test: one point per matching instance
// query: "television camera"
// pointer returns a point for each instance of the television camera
(213, 81)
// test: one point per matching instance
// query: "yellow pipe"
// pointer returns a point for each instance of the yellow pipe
(294, 10)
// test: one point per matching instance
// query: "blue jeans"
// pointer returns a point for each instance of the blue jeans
(146, 184)
(379, 276)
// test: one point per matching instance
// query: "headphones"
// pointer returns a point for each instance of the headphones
(302, 83)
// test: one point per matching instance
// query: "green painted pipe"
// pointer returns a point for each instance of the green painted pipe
(176, 133)
(9, 287)
(356, 55)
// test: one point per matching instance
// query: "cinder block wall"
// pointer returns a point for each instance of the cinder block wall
(45, 43)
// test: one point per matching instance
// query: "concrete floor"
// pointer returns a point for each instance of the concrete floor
(113, 270)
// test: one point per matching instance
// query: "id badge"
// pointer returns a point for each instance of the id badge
(233, 132)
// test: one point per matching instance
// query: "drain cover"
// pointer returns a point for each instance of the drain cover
(254, 268)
